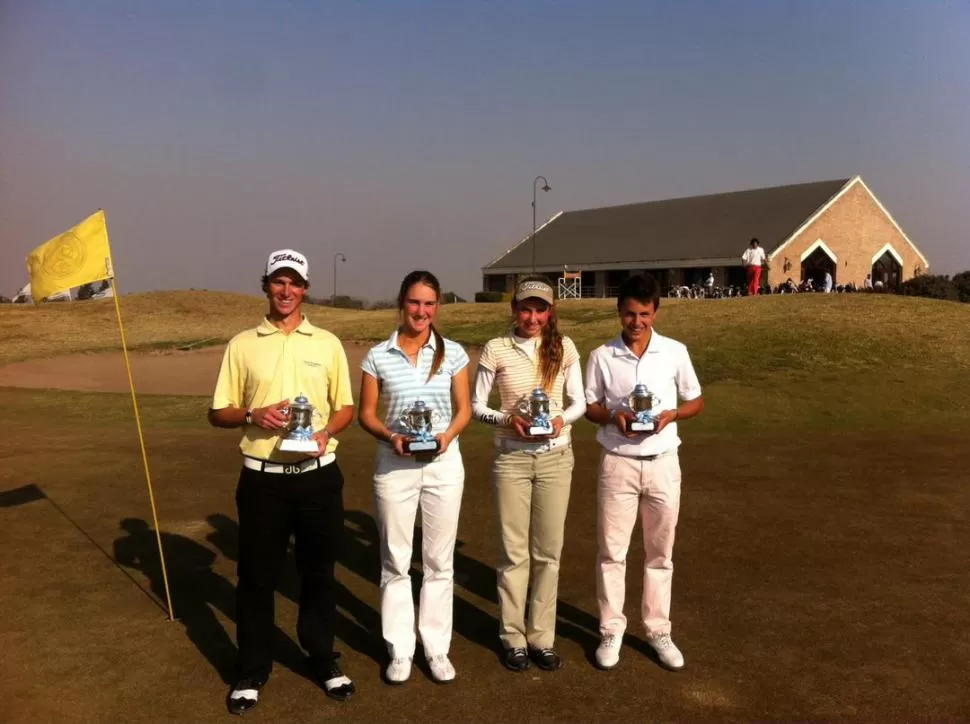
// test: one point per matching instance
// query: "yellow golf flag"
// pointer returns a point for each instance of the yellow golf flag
(78, 256)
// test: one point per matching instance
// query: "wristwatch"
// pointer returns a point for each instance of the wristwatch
(249, 416)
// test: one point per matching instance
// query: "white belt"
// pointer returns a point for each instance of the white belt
(505, 444)
(301, 466)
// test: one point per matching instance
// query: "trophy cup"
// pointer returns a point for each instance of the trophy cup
(536, 408)
(299, 429)
(641, 401)
(418, 419)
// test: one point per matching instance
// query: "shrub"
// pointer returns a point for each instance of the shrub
(934, 286)
(488, 296)
(962, 283)
(384, 304)
(340, 302)
(451, 298)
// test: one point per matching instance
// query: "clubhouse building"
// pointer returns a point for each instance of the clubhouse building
(805, 229)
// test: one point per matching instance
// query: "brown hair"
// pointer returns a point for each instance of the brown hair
(551, 348)
(429, 280)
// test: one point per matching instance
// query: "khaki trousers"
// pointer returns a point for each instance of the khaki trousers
(532, 495)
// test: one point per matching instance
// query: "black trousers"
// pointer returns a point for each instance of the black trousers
(271, 507)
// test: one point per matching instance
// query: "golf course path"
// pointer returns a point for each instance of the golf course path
(154, 373)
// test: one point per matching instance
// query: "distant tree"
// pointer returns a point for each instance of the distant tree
(451, 298)
(933, 286)
(962, 283)
(488, 296)
(5, 300)
(384, 304)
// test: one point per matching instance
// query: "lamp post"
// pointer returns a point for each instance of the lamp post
(341, 257)
(545, 187)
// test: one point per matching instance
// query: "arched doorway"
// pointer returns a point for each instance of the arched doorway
(816, 264)
(888, 270)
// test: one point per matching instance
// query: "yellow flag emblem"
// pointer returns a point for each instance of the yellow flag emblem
(78, 256)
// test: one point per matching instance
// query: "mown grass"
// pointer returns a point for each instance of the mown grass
(824, 514)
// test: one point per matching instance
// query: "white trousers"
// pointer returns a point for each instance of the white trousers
(402, 485)
(629, 488)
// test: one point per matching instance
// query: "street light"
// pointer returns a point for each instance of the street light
(341, 257)
(545, 187)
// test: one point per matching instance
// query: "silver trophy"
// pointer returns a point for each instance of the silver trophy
(418, 419)
(642, 402)
(536, 409)
(299, 429)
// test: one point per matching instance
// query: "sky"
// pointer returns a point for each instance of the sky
(406, 135)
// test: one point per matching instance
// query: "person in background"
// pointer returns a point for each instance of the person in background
(753, 260)
(282, 493)
(827, 283)
(639, 472)
(417, 363)
(532, 475)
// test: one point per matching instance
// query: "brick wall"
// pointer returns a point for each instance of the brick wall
(854, 228)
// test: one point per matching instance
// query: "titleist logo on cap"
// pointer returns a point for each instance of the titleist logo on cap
(535, 287)
(277, 258)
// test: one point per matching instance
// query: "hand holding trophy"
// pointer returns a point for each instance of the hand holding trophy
(536, 410)
(642, 402)
(418, 420)
(299, 429)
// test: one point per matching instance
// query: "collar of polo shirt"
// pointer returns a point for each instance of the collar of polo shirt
(267, 327)
(620, 348)
(392, 341)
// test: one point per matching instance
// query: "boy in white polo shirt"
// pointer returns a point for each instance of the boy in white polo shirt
(638, 471)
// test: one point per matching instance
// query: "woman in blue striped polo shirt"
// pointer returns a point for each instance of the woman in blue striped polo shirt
(417, 363)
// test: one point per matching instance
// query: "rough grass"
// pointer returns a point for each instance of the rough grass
(736, 339)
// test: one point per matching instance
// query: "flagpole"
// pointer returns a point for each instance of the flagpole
(141, 437)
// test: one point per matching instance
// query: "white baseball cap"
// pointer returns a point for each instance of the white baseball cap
(288, 259)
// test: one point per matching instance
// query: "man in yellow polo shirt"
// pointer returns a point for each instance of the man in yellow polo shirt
(282, 493)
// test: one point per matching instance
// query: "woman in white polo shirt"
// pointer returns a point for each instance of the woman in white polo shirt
(532, 475)
(417, 363)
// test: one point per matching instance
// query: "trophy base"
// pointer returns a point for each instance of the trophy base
(422, 446)
(539, 431)
(305, 446)
(642, 426)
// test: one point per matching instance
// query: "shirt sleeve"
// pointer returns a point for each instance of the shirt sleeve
(574, 391)
(459, 358)
(570, 353)
(484, 379)
(487, 358)
(339, 392)
(595, 386)
(229, 385)
(688, 386)
(369, 364)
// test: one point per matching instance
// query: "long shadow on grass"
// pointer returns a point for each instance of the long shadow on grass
(355, 619)
(470, 622)
(360, 628)
(196, 589)
(197, 593)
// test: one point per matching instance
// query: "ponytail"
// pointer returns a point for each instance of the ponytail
(551, 351)
(439, 353)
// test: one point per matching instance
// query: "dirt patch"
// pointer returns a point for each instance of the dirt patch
(167, 372)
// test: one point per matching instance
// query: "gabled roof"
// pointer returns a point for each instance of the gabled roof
(717, 226)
